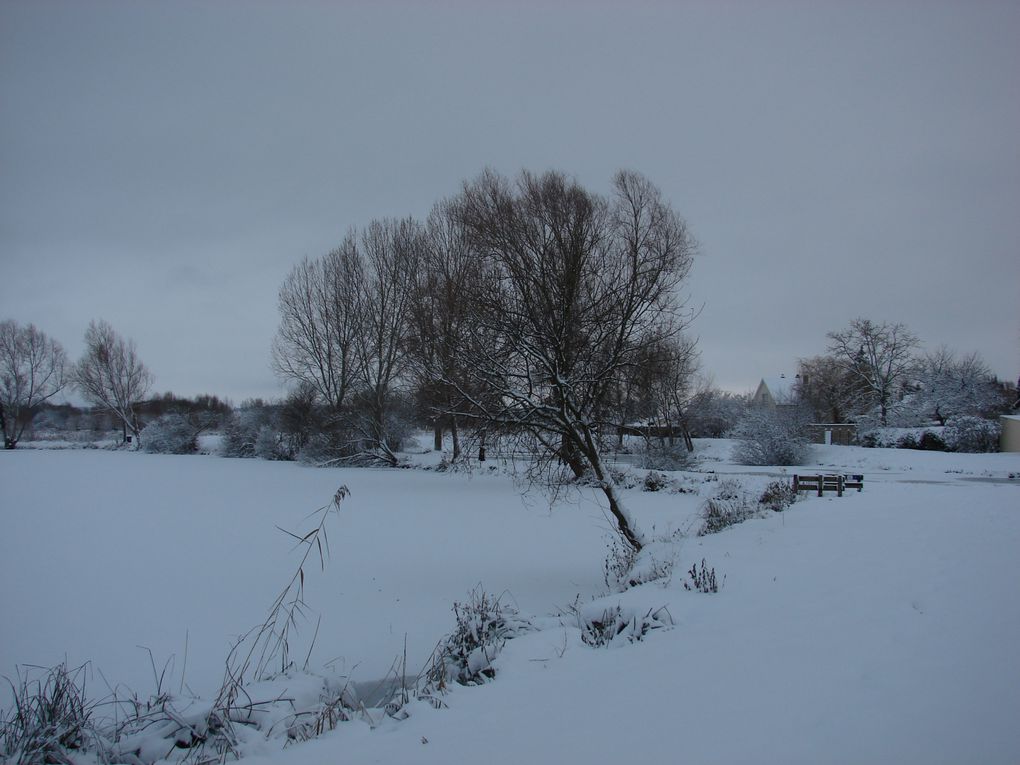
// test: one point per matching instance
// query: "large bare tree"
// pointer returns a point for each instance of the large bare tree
(32, 370)
(392, 255)
(111, 376)
(878, 356)
(441, 319)
(828, 387)
(573, 287)
(321, 322)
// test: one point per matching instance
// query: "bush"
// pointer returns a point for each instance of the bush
(484, 624)
(269, 444)
(907, 441)
(719, 514)
(625, 567)
(615, 626)
(869, 440)
(765, 438)
(931, 442)
(242, 429)
(972, 434)
(665, 457)
(728, 507)
(620, 559)
(778, 496)
(169, 434)
(655, 482)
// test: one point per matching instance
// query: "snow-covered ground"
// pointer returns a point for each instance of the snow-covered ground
(877, 627)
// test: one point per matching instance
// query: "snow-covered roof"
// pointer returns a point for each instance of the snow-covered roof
(781, 388)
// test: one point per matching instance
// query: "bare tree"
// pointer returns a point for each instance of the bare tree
(111, 376)
(573, 286)
(878, 356)
(674, 367)
(32, 370)
(658, 389)
(441, 319)
(321, 323)
(392, 254)
(825, 384)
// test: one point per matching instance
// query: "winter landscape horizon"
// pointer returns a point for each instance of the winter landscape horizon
(535, 382)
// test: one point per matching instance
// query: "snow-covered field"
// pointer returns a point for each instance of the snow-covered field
(877, 627)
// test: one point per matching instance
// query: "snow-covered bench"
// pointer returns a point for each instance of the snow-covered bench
(823, 483)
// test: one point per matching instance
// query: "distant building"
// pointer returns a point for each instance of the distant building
(1009, 441)
(837, 433)
(775, 391)
(779, 394)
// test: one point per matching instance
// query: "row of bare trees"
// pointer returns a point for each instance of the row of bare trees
(530, 307)
(874, 371)
(34, 368)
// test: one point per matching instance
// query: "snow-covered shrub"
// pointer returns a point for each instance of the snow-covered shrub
(336, 705)
(340, 445)
(869, 439)
(241, 430)
(931, 441)
(778, 496)
(702, 580)
(907, 441)
(615, 625)
(626, 567)
(765, 438)
(655, 481)
(728, 488)
(924, 440)
(972, 434)
(719, 514)
(622, 477)
(619, 561)
(730, 506)
(269, 444)
(484, 624)
(657, 456)
(50, 718)
(169, 434)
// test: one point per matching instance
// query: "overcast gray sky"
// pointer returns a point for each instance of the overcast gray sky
(163, 165)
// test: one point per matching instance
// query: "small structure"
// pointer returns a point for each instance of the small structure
(1009, 440)
(840, 433)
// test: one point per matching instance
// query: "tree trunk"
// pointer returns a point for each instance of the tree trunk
(688, 441)
(625, 524)
(456, 438)
(437, 437)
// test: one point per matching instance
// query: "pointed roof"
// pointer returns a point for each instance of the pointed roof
(781, 388)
